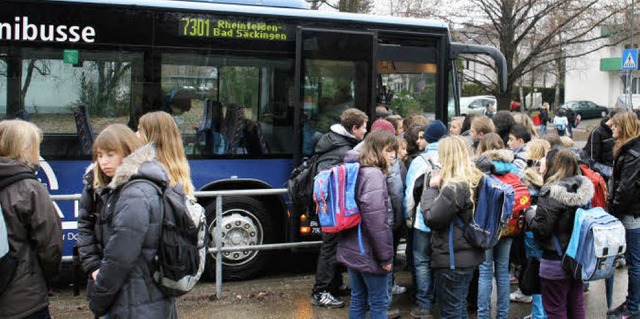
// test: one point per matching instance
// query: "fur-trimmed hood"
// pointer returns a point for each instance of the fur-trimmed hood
(573, 191)
(503, 155)
(139, 164)
(496, 161)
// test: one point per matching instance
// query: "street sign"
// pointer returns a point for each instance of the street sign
(630, 59)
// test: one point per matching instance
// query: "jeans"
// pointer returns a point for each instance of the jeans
(633, 263)
(563, 298)
(422, 268)
(368, 289)
(452, 286)
(328, 274)
(543, 129)
(498, 255)
(532, 250)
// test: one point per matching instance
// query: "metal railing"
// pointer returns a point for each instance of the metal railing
(218, 249)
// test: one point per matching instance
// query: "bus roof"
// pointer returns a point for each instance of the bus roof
(263, 9)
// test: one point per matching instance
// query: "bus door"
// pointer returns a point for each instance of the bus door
(411, 73)
(334, 71)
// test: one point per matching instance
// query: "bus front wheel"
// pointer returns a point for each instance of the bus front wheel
(245, 222)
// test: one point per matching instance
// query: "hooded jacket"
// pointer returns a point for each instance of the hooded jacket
(333, 146)
(599, 146)
(35, 237)
(624, 184)
(554, 215)
(131, 223)
(439, 209)
(497, 162)
(373, 200)
(89, 227)
(418, 168)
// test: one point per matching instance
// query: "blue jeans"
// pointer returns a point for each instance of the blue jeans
(452, 287)
(368, 289)
(498, 255)
(633, 263)
(543, 129)
(532, 250)
(422, 268)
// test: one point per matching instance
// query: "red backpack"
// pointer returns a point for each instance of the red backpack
(601, 195)
(522, 201)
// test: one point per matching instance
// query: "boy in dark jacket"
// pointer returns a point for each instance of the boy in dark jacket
(332, 147)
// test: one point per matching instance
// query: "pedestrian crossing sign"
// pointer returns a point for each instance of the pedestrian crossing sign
(630, 60)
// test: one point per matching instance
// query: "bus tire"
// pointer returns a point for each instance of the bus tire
(245, 221)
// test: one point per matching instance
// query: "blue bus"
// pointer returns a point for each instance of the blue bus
(250, 86)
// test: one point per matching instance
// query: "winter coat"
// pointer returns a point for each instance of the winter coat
(624, 184)
(544, 116)
(497, 162)
(555, 212)
(333, 146)
(439, 209)
(35, 237)
(89, 227)
(599, 146)
(417, 170)
(372, 199)
(395, 187)
(131, 224)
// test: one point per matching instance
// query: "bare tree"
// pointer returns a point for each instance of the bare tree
(355, 6)
(533, 33)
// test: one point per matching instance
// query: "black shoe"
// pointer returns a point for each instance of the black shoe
(421, 313)
(342, 291)
(326, 299)
(619, 312)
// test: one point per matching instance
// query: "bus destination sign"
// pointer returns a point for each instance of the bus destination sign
(225, 28)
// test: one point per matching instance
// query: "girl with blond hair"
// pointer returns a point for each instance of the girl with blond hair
(524, 119)
(160, 129)
(32, 224)
(131, 220)
(450, 195)
(623, 200)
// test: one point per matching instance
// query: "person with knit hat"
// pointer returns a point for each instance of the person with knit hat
(382, 124)
(421, 247)
(435, 131)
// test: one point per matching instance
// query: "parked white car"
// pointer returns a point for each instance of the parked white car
(475, 105)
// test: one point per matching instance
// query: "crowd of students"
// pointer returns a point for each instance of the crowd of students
(416, 177)
(440, 169)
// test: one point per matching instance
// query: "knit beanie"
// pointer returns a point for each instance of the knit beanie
(435, 131)
(382, 124)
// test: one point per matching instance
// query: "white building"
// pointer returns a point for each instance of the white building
(598, 77)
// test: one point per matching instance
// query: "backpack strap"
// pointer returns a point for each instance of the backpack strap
(360, 238)
(14, 178)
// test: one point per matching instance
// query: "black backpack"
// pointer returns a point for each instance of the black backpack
(182, 252)
(300, 185)
(300, 182)
(8, 261)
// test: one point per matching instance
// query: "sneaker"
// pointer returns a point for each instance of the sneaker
(398, 290)
(527, 317)
(620, 263)
(518, 296)
(326, 299)
(618, 312)
(393, 313)
(422, 313)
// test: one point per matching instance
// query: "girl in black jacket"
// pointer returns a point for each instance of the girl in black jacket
(451, 195)
(564, 191)
(624, 188)
(122, 286)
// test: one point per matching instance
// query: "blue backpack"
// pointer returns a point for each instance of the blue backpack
(494, 206)
(597, 240)
(334, 192)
